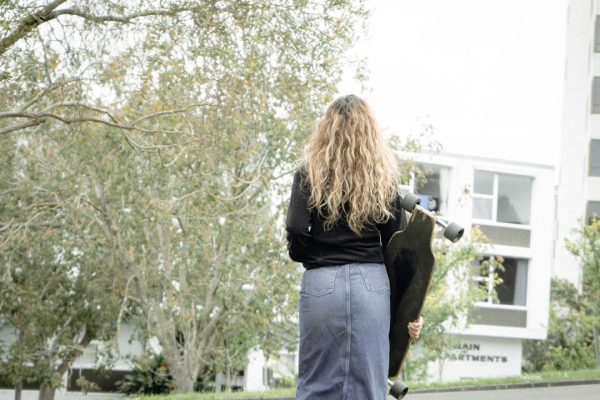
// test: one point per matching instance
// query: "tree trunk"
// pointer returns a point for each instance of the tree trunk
(228, 379)
(441, 368)
(18, 389)
(183, 384)
(19, 385)
(184, 380)
(596, 349)
(46, 393)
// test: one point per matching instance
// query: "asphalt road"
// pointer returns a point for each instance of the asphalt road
(571, 392)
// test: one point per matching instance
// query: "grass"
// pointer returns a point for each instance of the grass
(551, 376)
(271, 394)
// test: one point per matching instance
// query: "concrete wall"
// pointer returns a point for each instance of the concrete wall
(7, 394)
(578, 126)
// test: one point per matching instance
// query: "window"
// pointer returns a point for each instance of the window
(592, 211)
(596, 95)
(504, 280)
(267, 376)
(597, 35)
(504, 283)
(594, 157)
(506, 236)
(502, 197)
(434, 191)
(104, 381)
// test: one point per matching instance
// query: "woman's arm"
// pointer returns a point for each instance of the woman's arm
(298, 221)
(393, 224)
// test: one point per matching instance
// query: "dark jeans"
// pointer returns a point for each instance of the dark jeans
(344, 327)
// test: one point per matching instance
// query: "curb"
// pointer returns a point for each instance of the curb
(523, 385)
(478, 388)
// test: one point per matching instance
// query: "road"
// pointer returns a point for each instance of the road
(571, 392)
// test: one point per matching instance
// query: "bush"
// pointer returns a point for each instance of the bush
(569, 345)
(150, 375)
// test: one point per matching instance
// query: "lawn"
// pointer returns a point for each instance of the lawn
(551, 376)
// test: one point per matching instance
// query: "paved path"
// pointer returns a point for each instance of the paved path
(571, 392)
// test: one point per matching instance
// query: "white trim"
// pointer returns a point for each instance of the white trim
(496, 331)
(501, 306)
(442, 156)
(496, 224)
(509, 251)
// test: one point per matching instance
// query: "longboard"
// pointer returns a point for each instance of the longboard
(410, 264)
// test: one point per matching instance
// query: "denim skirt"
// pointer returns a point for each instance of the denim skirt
(344, 328)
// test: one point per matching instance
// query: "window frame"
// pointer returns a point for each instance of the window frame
(597, 34)
(595, 100)
(590, 153)
(489, 279)
(494, 197)
(588, 215)
(444, 197)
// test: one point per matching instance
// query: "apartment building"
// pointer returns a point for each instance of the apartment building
(579, 177)
(513, 204)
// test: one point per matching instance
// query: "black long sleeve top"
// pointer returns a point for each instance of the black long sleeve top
(314, 247)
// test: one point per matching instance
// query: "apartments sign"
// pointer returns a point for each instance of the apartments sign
(471, 352)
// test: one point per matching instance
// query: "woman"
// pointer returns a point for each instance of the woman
(344, 207)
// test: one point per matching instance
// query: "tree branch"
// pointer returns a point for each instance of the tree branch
(39, 117)
(49, 12)
(28, 124)
(124, 19)
(29, 23)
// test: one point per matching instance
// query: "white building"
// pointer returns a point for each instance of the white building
(579, 178)
(513, 204)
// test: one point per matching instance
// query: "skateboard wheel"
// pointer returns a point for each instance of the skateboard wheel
(453, 232)
(398, 390)
(409, 202)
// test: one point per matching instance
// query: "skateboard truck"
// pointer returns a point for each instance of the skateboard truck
(452, 231)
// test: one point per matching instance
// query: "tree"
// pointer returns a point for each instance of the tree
(569, 345)
(178, 119)
(585, 246)
(574, 313)
(58, 60)
(58, 292)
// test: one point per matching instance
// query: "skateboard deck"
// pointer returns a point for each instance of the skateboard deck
(410, 263)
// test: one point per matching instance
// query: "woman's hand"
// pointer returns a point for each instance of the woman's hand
(414, 328)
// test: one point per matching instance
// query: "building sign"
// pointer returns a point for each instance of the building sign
(471, 352)
(479, 357)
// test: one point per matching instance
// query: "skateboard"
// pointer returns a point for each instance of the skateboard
(410, 263)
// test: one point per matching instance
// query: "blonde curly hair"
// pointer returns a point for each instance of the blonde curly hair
(349, 167)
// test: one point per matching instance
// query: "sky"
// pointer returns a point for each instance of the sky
(487, 74)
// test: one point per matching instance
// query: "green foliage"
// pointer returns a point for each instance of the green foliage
(585, 246)
(59, 288)
(422, 142)
(139, 169)
(573, 312)
(490, 268)
(150, 375)
(452, 293)
(569, 345)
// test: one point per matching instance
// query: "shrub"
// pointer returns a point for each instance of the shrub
(150, 375)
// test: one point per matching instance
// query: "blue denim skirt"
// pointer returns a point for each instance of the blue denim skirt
(344, 328)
